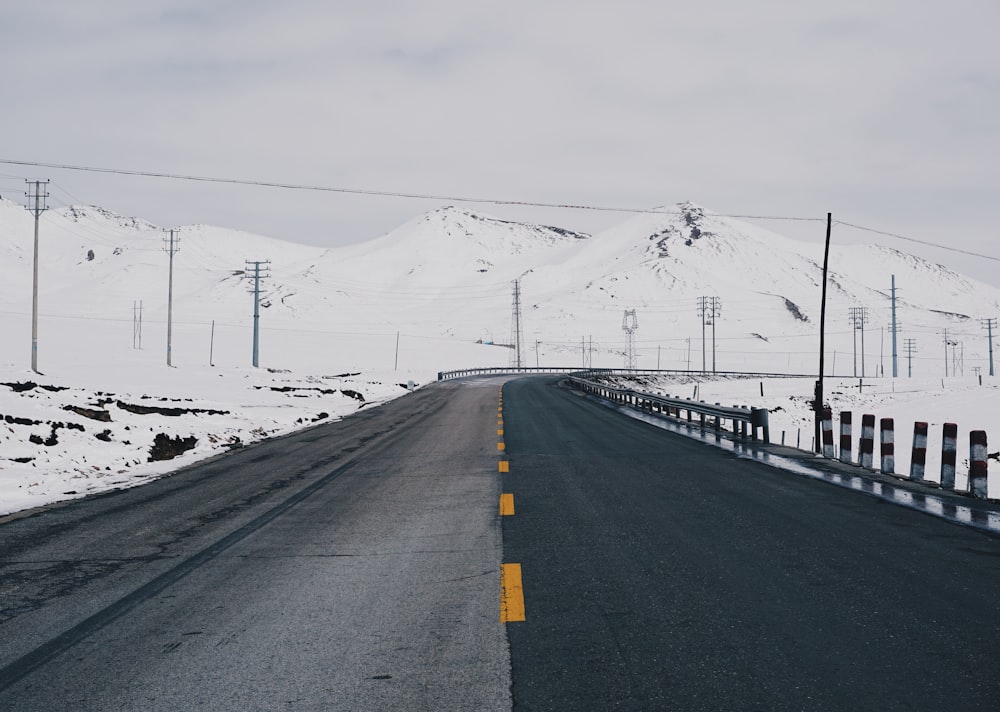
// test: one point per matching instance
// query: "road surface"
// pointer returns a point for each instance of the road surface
(357, 566)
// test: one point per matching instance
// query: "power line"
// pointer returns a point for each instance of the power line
(921, 242)
(467, 199)
(379, 193)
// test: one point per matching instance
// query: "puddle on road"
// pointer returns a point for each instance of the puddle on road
(927, 503)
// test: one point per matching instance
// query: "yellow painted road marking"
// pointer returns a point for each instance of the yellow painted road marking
(500, 446)
(506, 504)
(500, 431)
(511, 593)
(504, 466)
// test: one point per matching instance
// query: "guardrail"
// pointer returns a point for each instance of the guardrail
(743, 418)
(577, 371)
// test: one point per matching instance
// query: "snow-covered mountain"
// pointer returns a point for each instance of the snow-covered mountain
(443, 282)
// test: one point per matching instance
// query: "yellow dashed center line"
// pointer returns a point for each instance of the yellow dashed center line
(511, 594)
(504, 466)
(500, 446)
(506, 504)
(500, 431)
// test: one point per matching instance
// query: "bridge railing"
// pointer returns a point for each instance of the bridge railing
(746, 421)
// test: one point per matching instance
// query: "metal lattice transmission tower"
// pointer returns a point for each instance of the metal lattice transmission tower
(858, 317)
(709, 309)
(630, 325)
(171, 245)
(957, 358)
(38, 193)
(257, 270)
(516, 329)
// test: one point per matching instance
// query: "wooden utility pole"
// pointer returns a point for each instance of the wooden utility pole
(822, 338)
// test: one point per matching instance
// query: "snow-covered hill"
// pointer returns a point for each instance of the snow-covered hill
(443, 281)
(432, 295)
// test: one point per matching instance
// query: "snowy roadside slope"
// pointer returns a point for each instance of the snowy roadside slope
(62, 439)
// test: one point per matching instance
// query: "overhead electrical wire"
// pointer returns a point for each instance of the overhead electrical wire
(465, 199)
(377, 193)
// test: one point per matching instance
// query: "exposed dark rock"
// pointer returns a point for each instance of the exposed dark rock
(104, 435)
(794, 309)
(20, 387)
(102, 415)
(160, 410)
(14, 420)
(167, 448)
(353, 394)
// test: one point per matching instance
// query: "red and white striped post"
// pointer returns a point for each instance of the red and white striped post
(919, 457)
(828, 433)
(845, 436)
(887, 450)
(949, 446)
(866, 446)
(977, 464)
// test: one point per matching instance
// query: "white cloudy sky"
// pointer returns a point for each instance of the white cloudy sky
(881, 111)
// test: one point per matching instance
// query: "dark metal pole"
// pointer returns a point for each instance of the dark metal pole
(822, 338)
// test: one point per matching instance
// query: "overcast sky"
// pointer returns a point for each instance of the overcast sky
(883, 112)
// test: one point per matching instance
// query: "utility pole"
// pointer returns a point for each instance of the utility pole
(911, 348)
(171, 247)
(516, 323)
(702, 309)
(858, 317)
(395, 366)
(715, 305)
(895, 371)
(989, 325)
(536, 353)
(818, 435)
(630, 324)
(38, 193)
(709, 309)
(256, 277)
(689, 353)
(945, 353)
(137, 324)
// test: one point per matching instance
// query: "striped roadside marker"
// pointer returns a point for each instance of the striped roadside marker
(887, 450)
(949, 446)
(828, 433)
(845, 436)
(866, 446)
(919, 457)
(977, 464)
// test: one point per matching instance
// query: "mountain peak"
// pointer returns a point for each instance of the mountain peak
(79, 213)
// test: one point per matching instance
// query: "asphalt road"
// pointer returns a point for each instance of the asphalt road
(356, 566)
(663, 574)
(351, 567)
